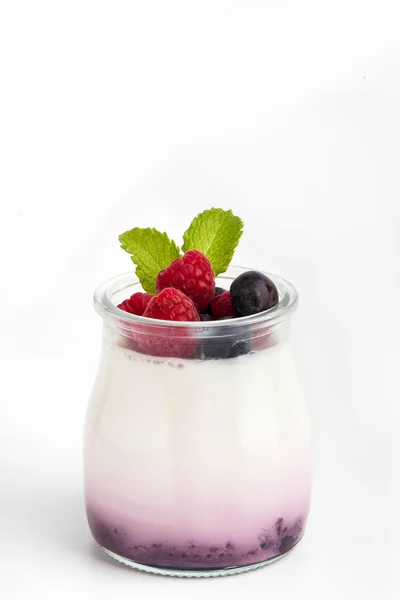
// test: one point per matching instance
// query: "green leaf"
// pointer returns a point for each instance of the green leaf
(151, 252)
(216, 233)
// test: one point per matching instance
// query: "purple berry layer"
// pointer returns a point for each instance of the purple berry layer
(277, 539)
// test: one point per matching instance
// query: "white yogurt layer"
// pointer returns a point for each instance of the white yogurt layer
(203, 443)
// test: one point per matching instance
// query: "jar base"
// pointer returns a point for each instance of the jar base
(172, 572)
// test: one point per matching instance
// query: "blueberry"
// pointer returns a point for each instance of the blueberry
(220, 342)
(220, 347)
(239, 348)
(287, 542)
(252, 292)
(219, 291)
(278, 526)
(204, 316)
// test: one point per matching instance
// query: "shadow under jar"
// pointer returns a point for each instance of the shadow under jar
(197, 449)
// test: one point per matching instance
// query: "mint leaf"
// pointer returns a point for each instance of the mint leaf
(151, 252)
(216, 233)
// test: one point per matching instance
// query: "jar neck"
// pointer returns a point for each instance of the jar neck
(195, 344)
(208, 339)
(112, 292)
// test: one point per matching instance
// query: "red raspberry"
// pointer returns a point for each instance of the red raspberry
(193, 275)
(171, 305)
(221, 306)
(136, 304)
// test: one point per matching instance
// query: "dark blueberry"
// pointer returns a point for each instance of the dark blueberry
(224, 348)
(218, 342)
(205, 316)
(287, 542)
(252, 292)
(264, 544)
(278, 526)
(229, 546)
(240, 347)
(219, 291)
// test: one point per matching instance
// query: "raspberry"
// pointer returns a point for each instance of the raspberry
(221, 306)
(158, 340)
(171, 305)
(191, 274)
(136, 304)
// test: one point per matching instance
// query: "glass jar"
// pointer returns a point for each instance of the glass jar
(197, 448)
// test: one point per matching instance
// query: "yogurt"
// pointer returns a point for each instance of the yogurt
(197, 464)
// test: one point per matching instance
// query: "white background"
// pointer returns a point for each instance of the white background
(123, 114)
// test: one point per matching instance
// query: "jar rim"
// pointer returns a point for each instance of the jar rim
(104, 305)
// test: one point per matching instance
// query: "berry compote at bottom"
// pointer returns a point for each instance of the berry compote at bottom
(197, 464)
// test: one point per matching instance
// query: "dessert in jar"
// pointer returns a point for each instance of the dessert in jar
(197, 449)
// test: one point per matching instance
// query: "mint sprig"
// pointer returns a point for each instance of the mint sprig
(216, 233)
(151, 251)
